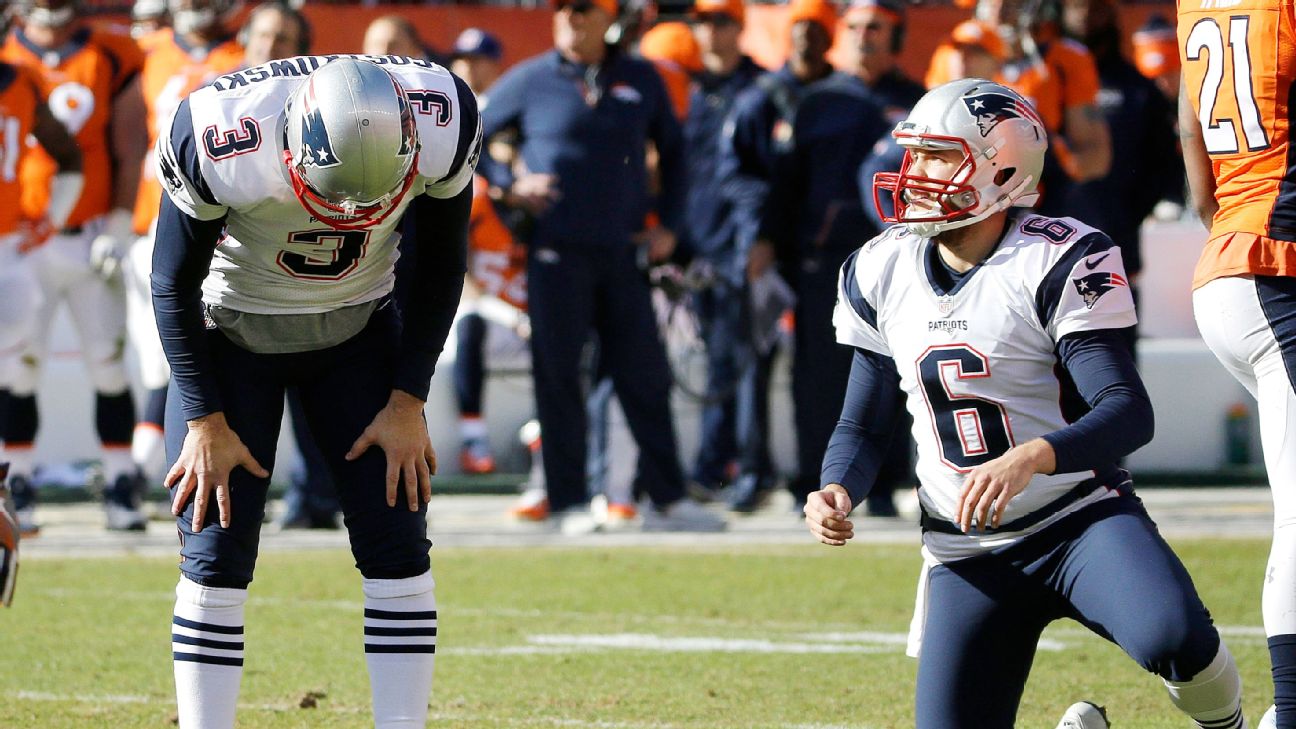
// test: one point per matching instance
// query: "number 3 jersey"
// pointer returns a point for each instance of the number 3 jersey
(221, 155)
(978, 362)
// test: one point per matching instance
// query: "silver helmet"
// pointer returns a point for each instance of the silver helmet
(188, 16)
(48, 13)
(1003, 143)
(352, 143)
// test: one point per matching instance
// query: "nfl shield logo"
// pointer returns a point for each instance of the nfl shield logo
(945, 304)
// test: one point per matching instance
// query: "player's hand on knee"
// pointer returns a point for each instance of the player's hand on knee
(990, 486)
(826, 511)
(210, 453)
(400, 431)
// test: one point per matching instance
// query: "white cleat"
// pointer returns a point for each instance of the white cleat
(1270, 719)
(1084, 715)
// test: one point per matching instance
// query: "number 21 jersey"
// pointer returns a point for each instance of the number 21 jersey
(978, 362)
(1239, 66)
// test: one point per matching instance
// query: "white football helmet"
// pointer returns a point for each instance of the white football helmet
(1003, 142)
(352, 146)
(48, 13)
(188, 16)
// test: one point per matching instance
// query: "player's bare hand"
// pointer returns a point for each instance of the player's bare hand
(400, 431)
(759, 259)
(990, 486)
(660, 243)
(210, 453)
(534, 192)
(825, 513)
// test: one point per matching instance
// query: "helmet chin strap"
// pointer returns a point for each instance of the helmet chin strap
(1005, 201)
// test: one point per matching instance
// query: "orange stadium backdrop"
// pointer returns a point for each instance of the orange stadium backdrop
(340, 28)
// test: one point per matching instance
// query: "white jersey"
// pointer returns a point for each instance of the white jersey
(978, 363)
(221, 154)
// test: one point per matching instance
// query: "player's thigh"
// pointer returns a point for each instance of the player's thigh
(1233, 325)
(98, 310)
(1275, 371)
(141, 326)
(252, 398)
(351, 384)
(1125, 583)
(982, 625)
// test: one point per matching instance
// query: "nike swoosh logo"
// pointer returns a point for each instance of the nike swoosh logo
(1091, 265)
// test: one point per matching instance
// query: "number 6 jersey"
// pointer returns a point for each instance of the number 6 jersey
(978, 362)
(221, 155)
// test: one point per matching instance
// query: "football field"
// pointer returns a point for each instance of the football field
(728, 630)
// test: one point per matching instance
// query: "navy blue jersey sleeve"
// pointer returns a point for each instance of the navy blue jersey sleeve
(1120, 419)
(746, 162)
(870, 412)
(182, 256)
(439, 227)
(668, 137)
(501, 110)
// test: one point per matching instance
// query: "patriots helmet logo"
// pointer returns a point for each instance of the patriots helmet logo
(1093, 286)
(317, 149)
(992, 107)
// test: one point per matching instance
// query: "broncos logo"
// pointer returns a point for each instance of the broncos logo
(317, 149)
(990, 108)
(1093, 286)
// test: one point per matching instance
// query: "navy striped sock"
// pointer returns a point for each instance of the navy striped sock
(400, 636)
(207, 653)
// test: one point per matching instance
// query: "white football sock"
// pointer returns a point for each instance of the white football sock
(19, 458)
(207, 650)
(400, 625)
(117, 462)
(1213, 698)
(148, 450)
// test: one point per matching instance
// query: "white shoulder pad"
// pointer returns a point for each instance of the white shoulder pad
(1077, 274)
(178, 167)
(861, 290)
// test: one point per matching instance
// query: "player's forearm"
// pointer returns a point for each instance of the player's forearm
(440, 229)
(181, 258)
(870, 412)
(129, 144)
(1121, 419)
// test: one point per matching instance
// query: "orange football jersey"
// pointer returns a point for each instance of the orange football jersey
(80, 82)
(172, 71)
(1239, 64)
(496, 264)
(19, 96)
(1067, 78)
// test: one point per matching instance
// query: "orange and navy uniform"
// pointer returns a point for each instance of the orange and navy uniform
(1247, 131)
(19, 96)
(496, 262)
(172, 71)
(79, 82)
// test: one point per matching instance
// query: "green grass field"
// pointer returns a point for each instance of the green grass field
(580, 637)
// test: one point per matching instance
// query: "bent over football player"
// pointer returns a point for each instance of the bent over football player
(273, 266)
(1002, 327)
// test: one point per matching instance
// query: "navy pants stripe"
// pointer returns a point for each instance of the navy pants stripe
(1106, 567)
(341, 388)
(572, 291)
